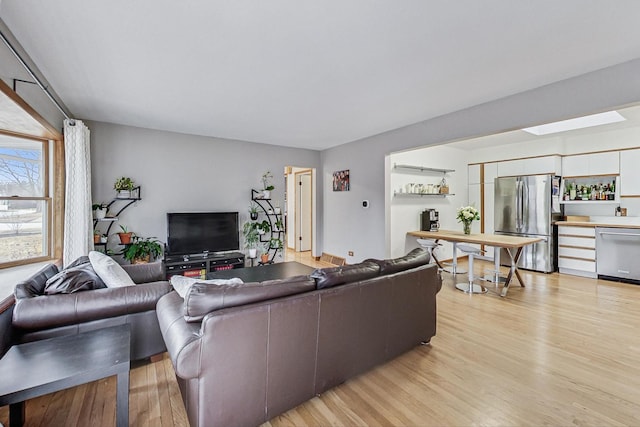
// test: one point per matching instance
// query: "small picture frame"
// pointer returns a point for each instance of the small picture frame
(341, 180)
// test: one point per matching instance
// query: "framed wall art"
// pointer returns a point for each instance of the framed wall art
(341, 180)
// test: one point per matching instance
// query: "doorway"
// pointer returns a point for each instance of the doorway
(300, 215)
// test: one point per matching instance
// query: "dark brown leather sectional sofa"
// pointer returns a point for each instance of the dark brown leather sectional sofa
(37, 316)
(243, 355)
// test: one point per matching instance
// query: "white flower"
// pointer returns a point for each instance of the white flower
(467, 214)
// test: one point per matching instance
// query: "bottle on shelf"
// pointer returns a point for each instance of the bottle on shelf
(444, 187)
(572, 191)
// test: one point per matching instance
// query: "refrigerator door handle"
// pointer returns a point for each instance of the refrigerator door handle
(519, 202)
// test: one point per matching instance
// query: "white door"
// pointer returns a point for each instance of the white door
(303, 211)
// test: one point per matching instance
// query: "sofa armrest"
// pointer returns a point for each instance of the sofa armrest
(48, 311)
(181, 338)
(143, 273)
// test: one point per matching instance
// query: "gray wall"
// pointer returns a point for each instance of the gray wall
(349, 227)
(181, 172)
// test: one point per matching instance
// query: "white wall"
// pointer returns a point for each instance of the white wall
(180, 172)
(405, 211)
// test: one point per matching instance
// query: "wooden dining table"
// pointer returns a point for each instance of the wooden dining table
(512, 244)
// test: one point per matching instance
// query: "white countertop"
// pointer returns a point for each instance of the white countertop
(606, 221)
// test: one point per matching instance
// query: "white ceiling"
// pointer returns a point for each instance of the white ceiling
(312, 74)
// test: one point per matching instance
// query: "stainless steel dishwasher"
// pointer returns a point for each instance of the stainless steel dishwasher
(618, 253)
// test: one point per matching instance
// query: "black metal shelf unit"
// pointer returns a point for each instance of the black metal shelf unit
(135, 196)
(269, 212)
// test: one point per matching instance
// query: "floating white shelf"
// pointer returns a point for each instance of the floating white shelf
(589, 202)
(396, 194)
(421, 169)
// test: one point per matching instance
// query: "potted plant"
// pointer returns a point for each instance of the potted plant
(263, 227)
(253, 211)
(142, 250)
(96, 236)
(275, 243)
(123, 186)
(125, 235)
(267, 187)
(99, 210)
(251, 237)
(278, 225)
(264, 256)
(276, 208)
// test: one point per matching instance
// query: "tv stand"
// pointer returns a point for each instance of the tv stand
(199, 265)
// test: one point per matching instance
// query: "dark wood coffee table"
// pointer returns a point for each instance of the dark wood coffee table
(280, 270)
(40, 367)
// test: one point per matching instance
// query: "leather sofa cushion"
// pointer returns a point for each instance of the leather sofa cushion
(34, 285)
(204, 298)
(334, 276)
(415, 258)
(78, 277)
(48, 311)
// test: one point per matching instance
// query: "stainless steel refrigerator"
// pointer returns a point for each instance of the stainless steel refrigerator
(528, 206)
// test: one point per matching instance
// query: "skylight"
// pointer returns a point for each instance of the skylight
(577, 123)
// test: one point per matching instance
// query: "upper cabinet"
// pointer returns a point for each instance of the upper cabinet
(532, 166)
(474, 174)
(490, 172)
(591, 164)
(630, 172)
(484, 173)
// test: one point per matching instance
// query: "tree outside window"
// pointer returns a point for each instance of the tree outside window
(24, 200)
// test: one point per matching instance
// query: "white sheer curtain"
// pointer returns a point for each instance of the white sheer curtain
(78, 224)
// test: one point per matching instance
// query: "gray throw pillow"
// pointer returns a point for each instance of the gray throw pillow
(79, 277)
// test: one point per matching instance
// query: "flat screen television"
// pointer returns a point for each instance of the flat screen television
(190, 233)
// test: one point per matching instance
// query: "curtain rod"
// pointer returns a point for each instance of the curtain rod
(34, 77)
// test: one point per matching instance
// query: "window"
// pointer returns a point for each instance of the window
(25, 205)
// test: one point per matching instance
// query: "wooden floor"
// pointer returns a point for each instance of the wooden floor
(562, 351)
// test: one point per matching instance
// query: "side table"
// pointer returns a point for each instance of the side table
(41, 367)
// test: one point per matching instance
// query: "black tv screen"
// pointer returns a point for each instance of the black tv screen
(190, 233)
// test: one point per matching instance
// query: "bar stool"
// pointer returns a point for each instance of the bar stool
(430, 246)
(495, 274)
(470, 288)
(454, 262)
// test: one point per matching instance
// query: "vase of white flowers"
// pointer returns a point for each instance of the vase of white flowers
(466, 215)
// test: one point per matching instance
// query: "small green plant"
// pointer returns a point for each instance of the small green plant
(276, 243)
(142, 249)
(124, 229)
(253, 210)
(123, 183)
(266, 181)
(96, 206)
(278, 225)
(263, 227)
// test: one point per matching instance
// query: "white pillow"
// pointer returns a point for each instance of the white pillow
(109, 271)
(182, 284)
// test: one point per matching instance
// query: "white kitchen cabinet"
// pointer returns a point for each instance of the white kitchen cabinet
(577, 251)
(490, 172)
(591, 164)
(473, 176)
(484, 202)
(630, 172)
(488, 204)
(533, 166)
(474, 196)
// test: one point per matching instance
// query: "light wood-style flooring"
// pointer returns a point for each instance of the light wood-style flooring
(562, 351)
